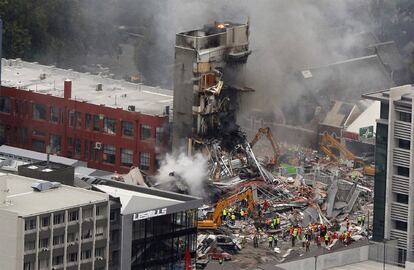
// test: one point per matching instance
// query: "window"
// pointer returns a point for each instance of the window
(109, 125)
(28, 266)
(87, 213)
(86, 254)
(39, 111)
(29, 245)
(86, 234)
(96, 123)
(77, 147)
(100, 210)
(144, 161)
(38, 145)
(45, 221)
(406, 117)
(72, 237)
(99, 231)
(404, 144)
(73, 257)
(127, 157)
(127, 129)
(44, 243)
(57, 260)
(88, 121)
(109, 153)
(30, 224)
(159, 135)
(403, 171)
(71, 118)
(158, 160)
(145, 132)
(73, 215)
(112, 216)
(43, 264)
(99, 252)
(401, 198)
(87, 150)
(54, 115)
(55, 143)
(5, 104)
(58, 218)
(59, 239)
(78, 119)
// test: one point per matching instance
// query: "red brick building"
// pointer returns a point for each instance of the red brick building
(112, 137)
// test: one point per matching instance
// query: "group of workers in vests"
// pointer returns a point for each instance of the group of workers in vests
(234, 213)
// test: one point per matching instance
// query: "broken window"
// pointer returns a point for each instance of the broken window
(127, 157)
(405, 117)
(109, 154)
(401, 198)
(207, 80)
(159, 135)
(144, 161)
(145, 132)
(404, 144)
(55, 143)
(54, 115)
(96, 123)
(39, 111)
(109, 125)
(5, 104)
(403, 171)
(127, 129)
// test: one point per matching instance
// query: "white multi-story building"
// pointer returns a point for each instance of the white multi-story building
(394, 178)
(46, 225)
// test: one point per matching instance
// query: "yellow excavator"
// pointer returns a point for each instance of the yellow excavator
(332, 148)
(268, 133)
(214, 221)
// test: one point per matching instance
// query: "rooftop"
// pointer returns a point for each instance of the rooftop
(23, 200)
(115, 93)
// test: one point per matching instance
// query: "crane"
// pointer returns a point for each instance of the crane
(249, 194)
(268, 133)
(329, 145)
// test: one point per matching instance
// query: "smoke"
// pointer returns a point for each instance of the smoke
(191, 170)
(286, 37)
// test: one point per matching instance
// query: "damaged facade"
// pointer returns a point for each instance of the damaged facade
(205, 100)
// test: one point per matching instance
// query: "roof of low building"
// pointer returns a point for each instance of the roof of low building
(115, 93)
(22, 199)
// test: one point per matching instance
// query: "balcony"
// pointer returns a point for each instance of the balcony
(400, 184)
(399, 211)
(401, 236)
(401, 157)
(402, 130)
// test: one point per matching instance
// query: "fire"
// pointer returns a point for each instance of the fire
(221, 25)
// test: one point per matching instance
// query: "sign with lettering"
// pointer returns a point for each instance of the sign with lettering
(150, 214)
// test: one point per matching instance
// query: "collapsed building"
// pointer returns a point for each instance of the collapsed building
(205, 100)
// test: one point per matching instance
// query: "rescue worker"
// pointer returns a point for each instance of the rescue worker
(241, 214)
(233, 219)
(275, 239)
(224, 215)
(363, 220)
(278, 222)
(359, 220)
(327, 238)
(270, 239)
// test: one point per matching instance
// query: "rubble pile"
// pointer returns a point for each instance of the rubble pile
(303, 203)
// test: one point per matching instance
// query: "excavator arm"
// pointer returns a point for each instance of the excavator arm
(268, 133)
(215, 221)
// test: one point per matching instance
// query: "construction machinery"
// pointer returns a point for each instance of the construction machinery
(334, 149)
(214, 221)
(268, 133)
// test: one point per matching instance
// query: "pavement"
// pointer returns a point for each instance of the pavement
(367, 265)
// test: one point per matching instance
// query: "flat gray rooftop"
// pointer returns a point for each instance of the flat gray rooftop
(115, 93)
(24, 201)
(367, 265)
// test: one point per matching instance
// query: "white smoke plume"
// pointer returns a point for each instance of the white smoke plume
(191, 169)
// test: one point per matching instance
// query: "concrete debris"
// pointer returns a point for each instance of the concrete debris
(304, 201)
